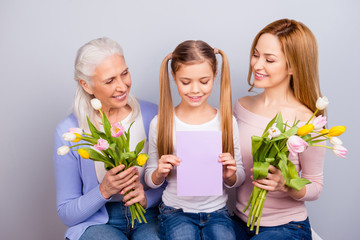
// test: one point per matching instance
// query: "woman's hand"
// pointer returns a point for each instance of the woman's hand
(274, 181)
(229, 168)
(136, 195)
(114, 180)
(165, 165)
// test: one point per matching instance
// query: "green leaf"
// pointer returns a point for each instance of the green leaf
(96, 156)
(282, 165)
(298, 183)
(260, 170)
(256, 143)
(92, 129)
(265, 133)
(139, 147)
(279, 122)
(107, 126)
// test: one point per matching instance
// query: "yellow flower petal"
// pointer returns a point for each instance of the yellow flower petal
(83, 153)
(142, 158)
(78, 137)
(336, 131)
(324, 131)
(306, 129)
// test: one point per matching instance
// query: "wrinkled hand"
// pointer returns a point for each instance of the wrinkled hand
(136, 195)
(114, 181)
(274, 181)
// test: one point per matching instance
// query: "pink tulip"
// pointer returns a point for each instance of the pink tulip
(76, 130)
(296, 145)
(102, 144)
(319, 122)
(340, 151)
(117, 130)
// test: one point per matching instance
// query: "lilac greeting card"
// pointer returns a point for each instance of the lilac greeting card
(199, 172)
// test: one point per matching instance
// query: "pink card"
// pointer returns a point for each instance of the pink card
(199, 172)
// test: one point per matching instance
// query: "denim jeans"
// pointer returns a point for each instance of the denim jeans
(119, 225)
(292, 231)
(175, 224)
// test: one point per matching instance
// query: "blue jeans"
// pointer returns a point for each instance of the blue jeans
(175, 224)
(292, 231)
(119, 225)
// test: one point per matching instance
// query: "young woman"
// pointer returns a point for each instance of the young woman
(284, 63)
(193, 67)
(90, 200)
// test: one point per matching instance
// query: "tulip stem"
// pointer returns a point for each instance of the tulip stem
(318, 145)
(312, 116)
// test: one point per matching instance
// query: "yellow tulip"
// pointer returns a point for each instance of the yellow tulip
(78, 137)
(324, 131)
(336, 131)
(83, 153)
(142, 158)
(306, 129)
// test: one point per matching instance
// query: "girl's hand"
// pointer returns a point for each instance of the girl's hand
(114, 180)
(135, 195)
(166, 164)
(229, 168)
(274, 181)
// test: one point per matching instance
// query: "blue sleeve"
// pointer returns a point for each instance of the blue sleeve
(148, 111)
(153, 196)
(73, 205)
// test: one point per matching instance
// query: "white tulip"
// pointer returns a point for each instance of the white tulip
(274, 132)
(335, 141)
(322, 103)
(96, 104)
(69, 136)
(63, 150)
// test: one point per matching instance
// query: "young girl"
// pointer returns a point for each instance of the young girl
(193, 67)
(283, 62)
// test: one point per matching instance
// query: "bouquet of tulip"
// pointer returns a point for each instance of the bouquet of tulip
(110, 147)
(274, 146)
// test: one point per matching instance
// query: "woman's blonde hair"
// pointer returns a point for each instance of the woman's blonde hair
(301, 53)
(88, 58)
(187, 53)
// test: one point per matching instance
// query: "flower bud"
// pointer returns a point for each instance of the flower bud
(69, 136)
(101, 145)
(296, 145)
(335, 141)
(322, 103)
(339, 151)
(274, 132)
(96, 104)
(319, 122)
(306, 129)
(76, 130)
(63, 150)
(83, 153)
(336, 131)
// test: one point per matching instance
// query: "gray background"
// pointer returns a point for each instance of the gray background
(38, 43)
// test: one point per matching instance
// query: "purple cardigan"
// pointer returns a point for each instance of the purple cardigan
(79, 201)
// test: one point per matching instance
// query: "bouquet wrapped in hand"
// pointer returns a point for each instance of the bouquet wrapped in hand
(110, 147)
(274, 146)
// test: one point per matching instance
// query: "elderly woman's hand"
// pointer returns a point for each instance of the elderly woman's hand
(115, 181)
(136, 195)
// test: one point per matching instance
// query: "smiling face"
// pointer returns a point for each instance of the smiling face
(268, 63)
(110, 83)
(194, 83)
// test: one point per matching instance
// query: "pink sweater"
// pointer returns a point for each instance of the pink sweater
(279, 207)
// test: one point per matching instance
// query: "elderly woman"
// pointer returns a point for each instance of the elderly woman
(90, 200)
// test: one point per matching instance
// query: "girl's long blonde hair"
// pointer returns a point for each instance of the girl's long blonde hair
(301, 52)
(193, 52)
